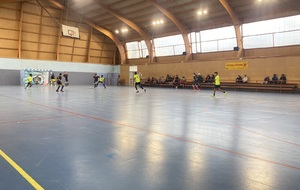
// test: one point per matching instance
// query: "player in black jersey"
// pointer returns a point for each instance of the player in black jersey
(59, 83)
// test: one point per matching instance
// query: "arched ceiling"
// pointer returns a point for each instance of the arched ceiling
(142, 13)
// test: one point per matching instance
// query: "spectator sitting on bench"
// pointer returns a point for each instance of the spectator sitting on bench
(154, 80)
(169, 78)
(266, 80)
(176, 81)
(147, 80)
(200, 78)
(182, 82)
(274, 79)
(239, 79)
(282, 79)
(207, 79)
(212, 78)
(245, 79)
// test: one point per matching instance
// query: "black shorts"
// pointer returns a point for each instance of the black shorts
(217, 86)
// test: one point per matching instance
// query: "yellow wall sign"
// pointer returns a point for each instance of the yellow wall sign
(236, 65)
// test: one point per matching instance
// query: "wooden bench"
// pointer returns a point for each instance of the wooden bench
(250, 86)
(235, 86)
(257, 88)
(253, 86)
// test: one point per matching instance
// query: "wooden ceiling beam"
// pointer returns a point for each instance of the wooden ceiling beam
(111, 36)
(12, 1)
(180, 26)
(107, 33)
(237, 26)
(133, 25)
(58, 5)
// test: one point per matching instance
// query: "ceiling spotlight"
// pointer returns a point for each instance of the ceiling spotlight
(124, 30)
(156, 22)
(201, 12)
(117, 31)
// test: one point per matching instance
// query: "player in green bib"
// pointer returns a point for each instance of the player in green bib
(102, 80)
(218, 85)
(137, 82)
(29, 81)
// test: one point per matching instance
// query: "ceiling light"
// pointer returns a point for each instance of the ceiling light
(202, 12)
(124, 30)
(157, 22)
(117, 31)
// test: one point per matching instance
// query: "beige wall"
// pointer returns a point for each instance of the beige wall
(262, 62)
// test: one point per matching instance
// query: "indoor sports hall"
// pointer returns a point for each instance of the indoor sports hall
(149, 95)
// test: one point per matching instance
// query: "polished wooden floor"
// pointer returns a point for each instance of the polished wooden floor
(164, 139)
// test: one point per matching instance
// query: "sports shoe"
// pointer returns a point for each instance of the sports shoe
(137, 91)
(61, 90)
(212, 95)
(56, 90)
(145, 90)
(225, 93)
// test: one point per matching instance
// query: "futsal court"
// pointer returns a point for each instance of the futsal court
(164, 139)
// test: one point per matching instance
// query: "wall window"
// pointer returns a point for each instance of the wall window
(132, 50)
(171, 45)
(272, 33)
(194, 39)
(136, 49)
(143, 49)
(220, 39)
(263, 34)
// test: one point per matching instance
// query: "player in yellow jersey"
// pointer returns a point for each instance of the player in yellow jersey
(52, 79)
(102, 80)
(218, 85)
(29, 81)
(137, 82)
